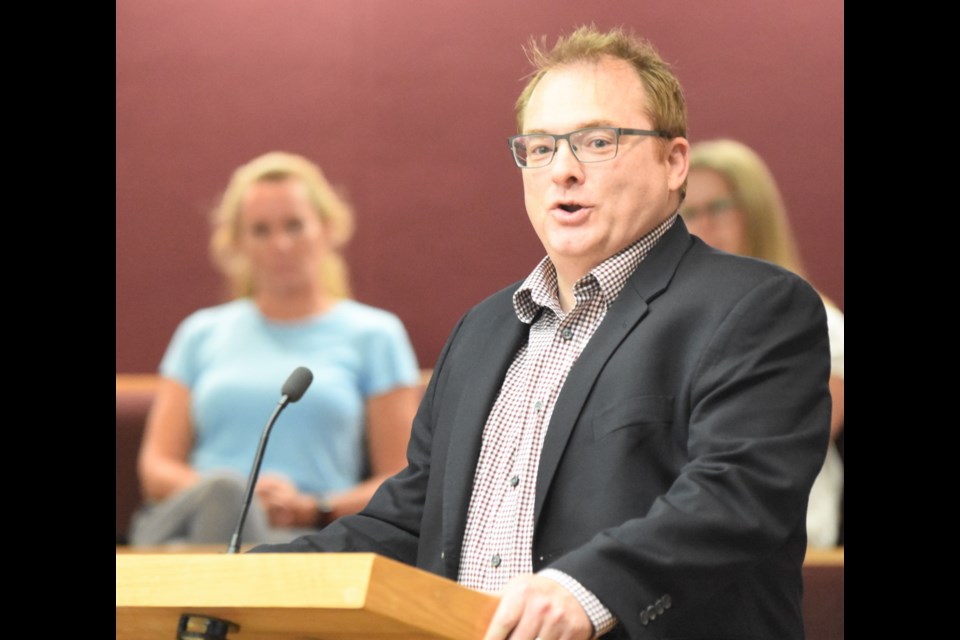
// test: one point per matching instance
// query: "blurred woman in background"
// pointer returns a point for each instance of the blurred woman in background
(733, 204)
(278, 231)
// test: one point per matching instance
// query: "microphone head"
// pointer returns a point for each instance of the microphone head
(297, 384)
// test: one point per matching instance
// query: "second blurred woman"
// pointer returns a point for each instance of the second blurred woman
(733, 204)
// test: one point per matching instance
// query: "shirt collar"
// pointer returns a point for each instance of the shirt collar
(540, 287)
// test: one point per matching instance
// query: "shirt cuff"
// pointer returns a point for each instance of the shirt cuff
(601, 617)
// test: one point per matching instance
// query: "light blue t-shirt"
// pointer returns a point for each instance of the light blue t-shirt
(235, 361)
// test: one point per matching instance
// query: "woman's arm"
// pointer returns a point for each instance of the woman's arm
(168, 437)
(389, 418)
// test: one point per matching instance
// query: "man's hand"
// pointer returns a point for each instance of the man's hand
(532, 606)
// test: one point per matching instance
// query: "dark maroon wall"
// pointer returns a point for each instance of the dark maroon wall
(407, 105)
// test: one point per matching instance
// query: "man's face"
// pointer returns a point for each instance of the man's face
(586, 212)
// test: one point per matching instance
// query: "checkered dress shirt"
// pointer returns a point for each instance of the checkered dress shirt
(498, 540)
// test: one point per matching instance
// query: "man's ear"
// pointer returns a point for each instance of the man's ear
(678, 162)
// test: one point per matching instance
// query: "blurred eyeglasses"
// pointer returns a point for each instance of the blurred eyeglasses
(709, 209)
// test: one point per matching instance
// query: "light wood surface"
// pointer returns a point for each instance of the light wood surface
(823, 557)
(137, 382)
(308, 595)
(329, 595)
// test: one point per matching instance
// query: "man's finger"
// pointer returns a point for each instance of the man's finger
(505, 618)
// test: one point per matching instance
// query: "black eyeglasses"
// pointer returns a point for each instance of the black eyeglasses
(593, 144)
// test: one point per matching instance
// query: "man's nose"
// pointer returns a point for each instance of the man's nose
(566, 167)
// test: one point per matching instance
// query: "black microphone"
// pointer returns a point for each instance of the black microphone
(293, 389)
(295, 386)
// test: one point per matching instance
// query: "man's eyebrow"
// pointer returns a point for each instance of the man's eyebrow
(584, 125)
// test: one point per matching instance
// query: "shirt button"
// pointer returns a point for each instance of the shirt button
(495, 561)
(566, 334)
(537, 406)
(514, 481)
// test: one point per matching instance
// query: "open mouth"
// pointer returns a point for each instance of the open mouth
(570, 208)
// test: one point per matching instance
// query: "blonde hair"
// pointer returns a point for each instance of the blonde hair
(756, 195)
(666, 105)
(331, 209)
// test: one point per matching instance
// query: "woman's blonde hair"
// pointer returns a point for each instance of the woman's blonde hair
(756, 195)
(331, 208)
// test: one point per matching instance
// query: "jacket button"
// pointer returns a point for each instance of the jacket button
(442, 555)
(667, 601)
(660, 608)
(644, 618)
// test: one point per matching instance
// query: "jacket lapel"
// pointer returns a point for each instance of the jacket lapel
(651, 277)
(489, 354)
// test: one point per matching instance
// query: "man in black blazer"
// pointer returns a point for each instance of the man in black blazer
(625, 441)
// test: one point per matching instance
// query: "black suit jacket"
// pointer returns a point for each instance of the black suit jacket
(675, 472)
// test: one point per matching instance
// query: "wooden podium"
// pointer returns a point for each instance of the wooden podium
(302, 596)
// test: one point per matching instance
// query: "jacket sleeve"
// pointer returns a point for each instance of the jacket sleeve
(759, 411)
